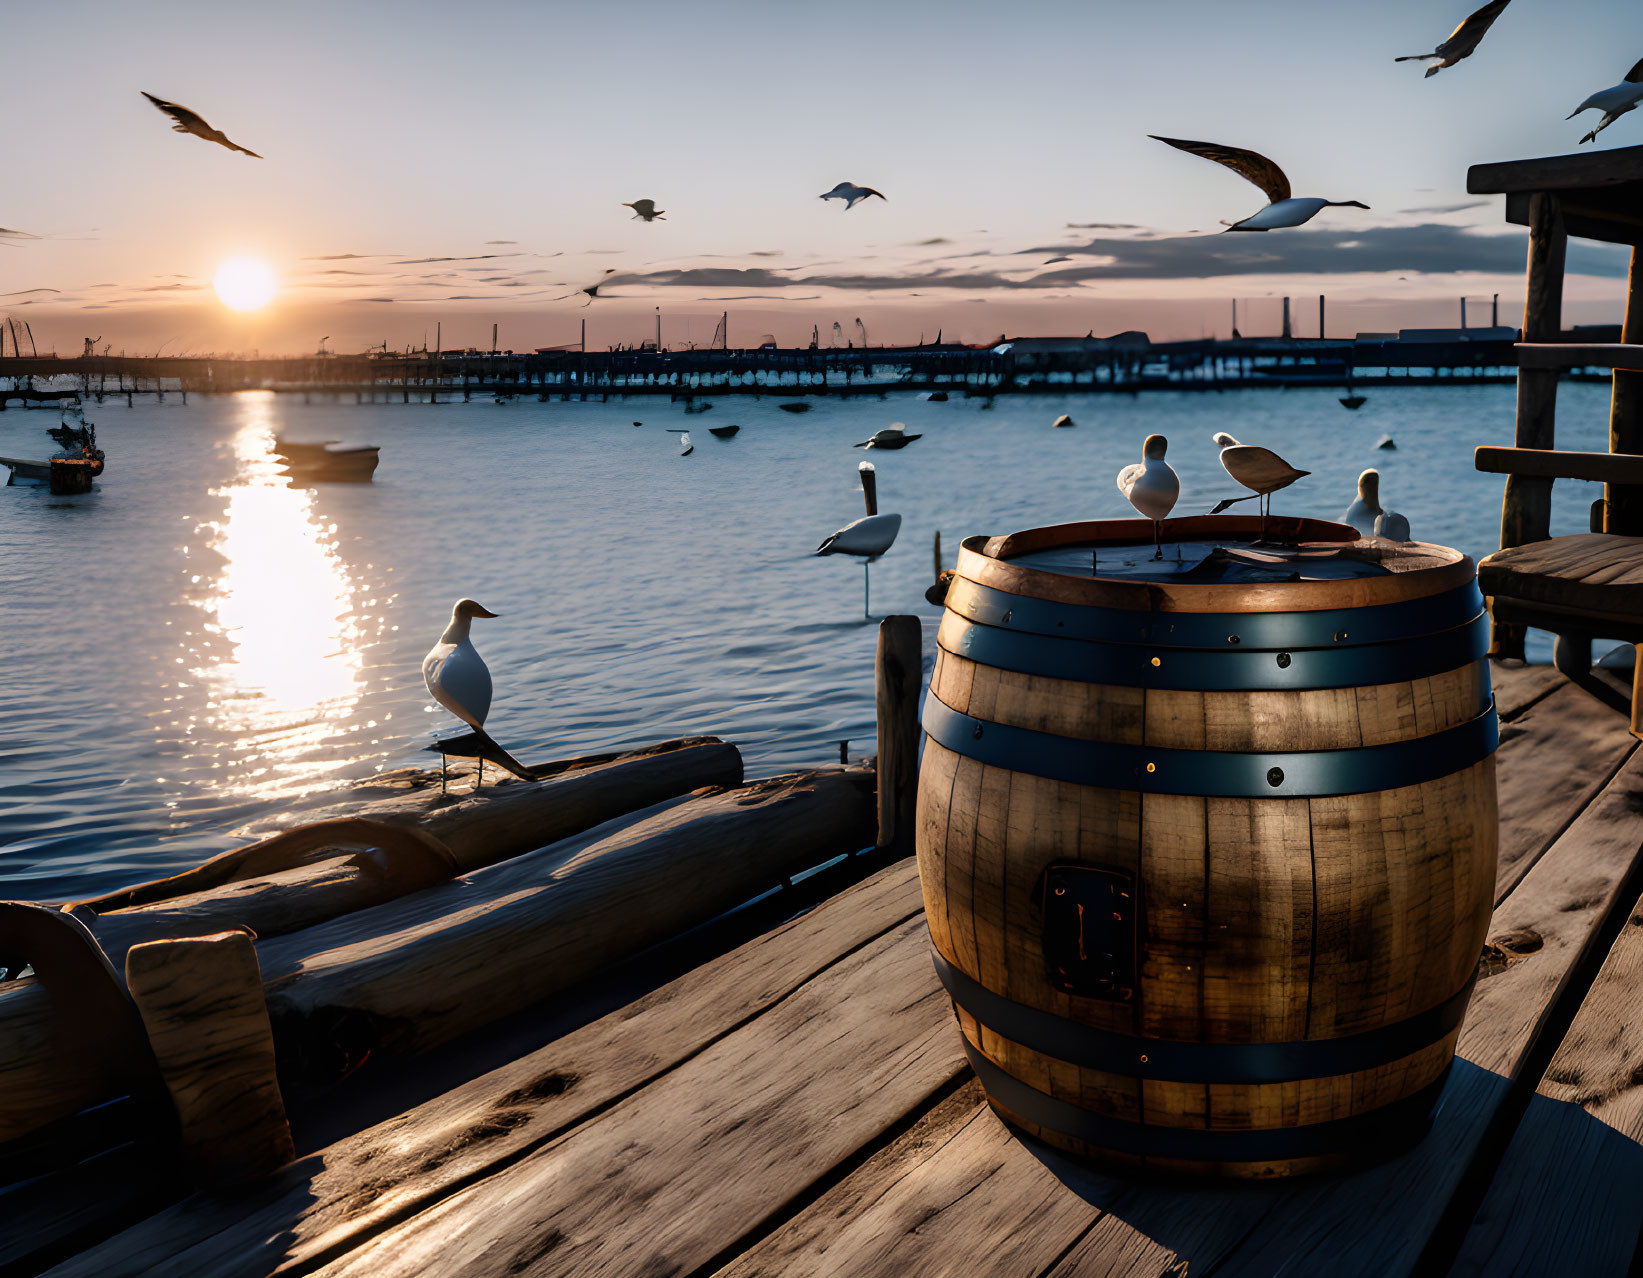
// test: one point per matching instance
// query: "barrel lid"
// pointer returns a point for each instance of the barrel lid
(1212, 563)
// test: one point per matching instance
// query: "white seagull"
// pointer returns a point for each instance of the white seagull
(1152, 487)
(1462, 41)
(1614, 102)
(1259, 469)
(866, 538)
(1392, 526)
(1283, 210)
(686, 448)
(1361, 515)
(851, 194)
(456, 674)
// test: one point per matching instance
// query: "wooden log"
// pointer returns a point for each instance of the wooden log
(1623, 507)
(319, 1208)
(1526, 507)
(202, 1006)
(414, 973)
(900, 676)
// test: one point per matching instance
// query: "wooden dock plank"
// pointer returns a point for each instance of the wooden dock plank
(671, 1176)
(1553, 760)
(322, 1205)
(1568, 1196)
(1517, 687)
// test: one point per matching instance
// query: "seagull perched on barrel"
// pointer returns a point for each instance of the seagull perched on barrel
(1152, 486)
(1361, 515)
(457, 675)
(1614, 102)
(866, 538)
(1463, 40)
(191, 122)
(646, 209)
(1283, 210)
(851, 194)
(1256, 468)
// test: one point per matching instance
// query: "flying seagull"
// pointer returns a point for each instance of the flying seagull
(892, 436)
(851, 194)
(1152, 487)
(1613, 102)
(188, 122)
(646, 209)
(1463, 40)
(1283, 210)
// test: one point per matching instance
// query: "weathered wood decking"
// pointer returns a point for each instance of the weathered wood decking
(802, 1105)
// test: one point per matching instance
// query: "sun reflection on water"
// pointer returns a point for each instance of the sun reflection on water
(282, 666)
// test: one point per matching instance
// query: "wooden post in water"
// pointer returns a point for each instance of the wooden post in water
(1623, 506)
(899, 677)
(1526, 509)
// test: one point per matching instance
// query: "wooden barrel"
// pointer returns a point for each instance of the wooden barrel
(1208, 845)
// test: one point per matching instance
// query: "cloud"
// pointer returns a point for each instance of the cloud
(1428, 248)
(343, 257)
(761, 297)
(1447, 208)
(26, 291)
(930, 243)
(1051, 261)
(1104, 226)
(340, 271)
(501, 241)
(477, 257)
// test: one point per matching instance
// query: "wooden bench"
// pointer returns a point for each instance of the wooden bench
(1590, 585)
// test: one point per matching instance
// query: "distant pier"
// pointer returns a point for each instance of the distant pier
(1127, 363)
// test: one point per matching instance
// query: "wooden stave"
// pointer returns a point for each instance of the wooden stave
(1137, 715)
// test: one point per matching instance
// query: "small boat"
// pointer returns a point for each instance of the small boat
(1354, 402)
(797, 406)
(934, 397)
(327, 462)
(72, 467)
(722, 432)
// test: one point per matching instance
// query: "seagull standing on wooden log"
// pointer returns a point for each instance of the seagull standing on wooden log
(1462, 41)
(646, 209)
(851, 194)
(1614, 102)
(1283, 209)
(1151, 485)
(190, 122)
(866, 538)
(1259, 469)
(457, 675)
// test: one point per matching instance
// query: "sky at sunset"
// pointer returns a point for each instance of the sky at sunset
(463, 165)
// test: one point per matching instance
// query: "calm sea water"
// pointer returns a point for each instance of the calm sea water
(197, 643)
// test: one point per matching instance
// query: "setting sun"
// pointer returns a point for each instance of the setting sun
(245, 284)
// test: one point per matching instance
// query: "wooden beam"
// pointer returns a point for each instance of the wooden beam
(1557, 172)
(900, 675)
(1579, 355)
(201, 1003)
(1609, 468)
(1526, 507)
(1623, 509)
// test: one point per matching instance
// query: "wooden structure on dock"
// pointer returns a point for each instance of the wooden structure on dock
(800, 1105)
(1589, 585)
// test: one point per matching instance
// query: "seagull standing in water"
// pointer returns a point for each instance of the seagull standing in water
(866, 538)
(1614, 102)
(851, 194)
(1259, 469)
(1283, 210)
(191, 122)
(1152, 486)
(1462, 41)
(645, 209)
(457, 675)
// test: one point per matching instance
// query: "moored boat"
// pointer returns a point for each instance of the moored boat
(329, 460)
